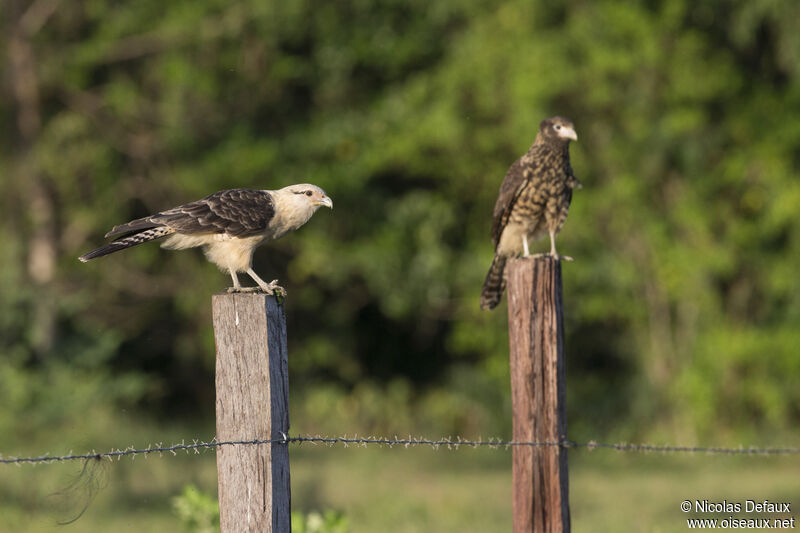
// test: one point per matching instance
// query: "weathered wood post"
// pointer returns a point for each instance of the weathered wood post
(252, 403)
(540, 499)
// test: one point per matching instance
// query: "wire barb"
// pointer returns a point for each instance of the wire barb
(449, 443)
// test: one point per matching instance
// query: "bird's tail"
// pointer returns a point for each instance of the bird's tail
(495, 283)
(127, 242)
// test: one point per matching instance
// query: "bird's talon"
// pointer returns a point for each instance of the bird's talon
(278, 290)
(273, 289)
(243, 290)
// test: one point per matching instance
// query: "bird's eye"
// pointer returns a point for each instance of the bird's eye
(558, 126)
(308, 193)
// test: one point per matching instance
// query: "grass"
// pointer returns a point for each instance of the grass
(401, 490)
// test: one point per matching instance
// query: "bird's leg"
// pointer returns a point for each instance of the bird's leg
(553, 252)
(270, 288)
(236, 287)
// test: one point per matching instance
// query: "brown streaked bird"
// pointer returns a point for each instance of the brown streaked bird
(533, 201)
(229, 225)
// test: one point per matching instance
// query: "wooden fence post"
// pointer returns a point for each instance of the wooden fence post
(252, 403)
(540, 499)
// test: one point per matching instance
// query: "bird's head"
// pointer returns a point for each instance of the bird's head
(557, 129)
(307, 195)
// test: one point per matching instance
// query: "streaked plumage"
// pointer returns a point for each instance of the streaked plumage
(229, 225)
(533, 201)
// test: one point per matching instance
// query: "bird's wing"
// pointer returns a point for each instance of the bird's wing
(572, 181)
(235, 212)
(514, 182)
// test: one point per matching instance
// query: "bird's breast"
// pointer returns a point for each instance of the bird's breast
(286, 220)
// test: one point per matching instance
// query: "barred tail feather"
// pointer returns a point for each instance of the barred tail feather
(134, 225)
(495, 283)
(127, 242)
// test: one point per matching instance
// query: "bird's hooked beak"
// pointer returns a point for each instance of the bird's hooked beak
(326, 201)
(568, 133)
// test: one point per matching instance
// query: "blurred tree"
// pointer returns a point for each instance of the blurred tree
(682, 305)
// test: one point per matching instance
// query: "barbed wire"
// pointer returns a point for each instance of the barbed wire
(449, 443)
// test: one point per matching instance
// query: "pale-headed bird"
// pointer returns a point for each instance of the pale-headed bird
(229, 225)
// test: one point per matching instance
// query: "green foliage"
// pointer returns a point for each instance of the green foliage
(198, 512)
(41, 406)
(682, 305)
(328, 522)
(467, 404)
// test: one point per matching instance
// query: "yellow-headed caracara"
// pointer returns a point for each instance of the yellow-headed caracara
(533, 201)
(227, 224)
